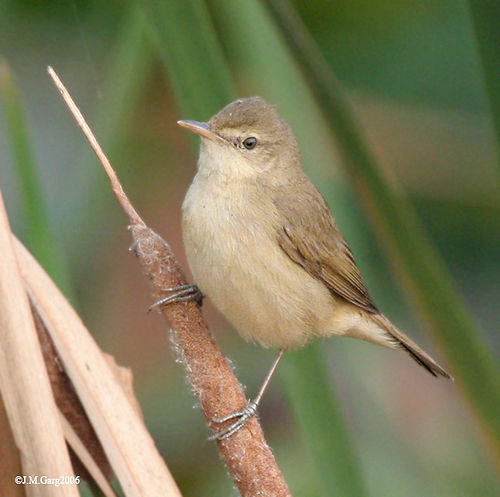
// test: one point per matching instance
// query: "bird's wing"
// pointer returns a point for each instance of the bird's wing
(310, 237)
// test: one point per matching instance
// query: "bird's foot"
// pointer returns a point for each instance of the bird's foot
(242, 417)
(182, 293)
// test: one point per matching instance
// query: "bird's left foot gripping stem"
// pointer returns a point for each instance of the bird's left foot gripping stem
(182, 293)
(242, 418)
(248, 412)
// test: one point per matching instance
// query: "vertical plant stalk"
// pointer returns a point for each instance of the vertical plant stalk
(409, 249)
(247, 455)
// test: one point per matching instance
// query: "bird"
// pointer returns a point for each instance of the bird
(263, 245)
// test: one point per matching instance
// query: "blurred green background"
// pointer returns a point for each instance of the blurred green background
(412, 73)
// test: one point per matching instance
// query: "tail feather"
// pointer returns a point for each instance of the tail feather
(402, 341)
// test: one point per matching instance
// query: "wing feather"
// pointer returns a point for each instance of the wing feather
(310, 237)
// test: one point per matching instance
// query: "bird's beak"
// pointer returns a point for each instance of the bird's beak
(202, 129)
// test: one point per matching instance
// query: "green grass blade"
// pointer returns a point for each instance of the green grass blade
(404, 239)
(39, 234)
(485, 16)
(321, 423)
(125, 81)
(188, 46)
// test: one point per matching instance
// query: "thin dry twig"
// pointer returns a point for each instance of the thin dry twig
(246, 453)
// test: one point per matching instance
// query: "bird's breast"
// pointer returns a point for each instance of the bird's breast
(225, 230)
(229, 233)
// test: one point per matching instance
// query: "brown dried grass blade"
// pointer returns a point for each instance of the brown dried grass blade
(86, 458)
(24, 382)
(128, 445)
(10, 457)
(69, 406)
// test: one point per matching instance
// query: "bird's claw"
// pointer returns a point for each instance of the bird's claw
(242, 416)
(182, 293)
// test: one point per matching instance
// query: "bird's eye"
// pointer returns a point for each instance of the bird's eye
(250, 142)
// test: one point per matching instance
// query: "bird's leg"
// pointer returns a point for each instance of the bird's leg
(182, 293)
(242, 417)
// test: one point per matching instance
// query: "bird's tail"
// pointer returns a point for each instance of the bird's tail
(402, 341)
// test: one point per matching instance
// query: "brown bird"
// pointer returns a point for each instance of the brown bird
(263, 245)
